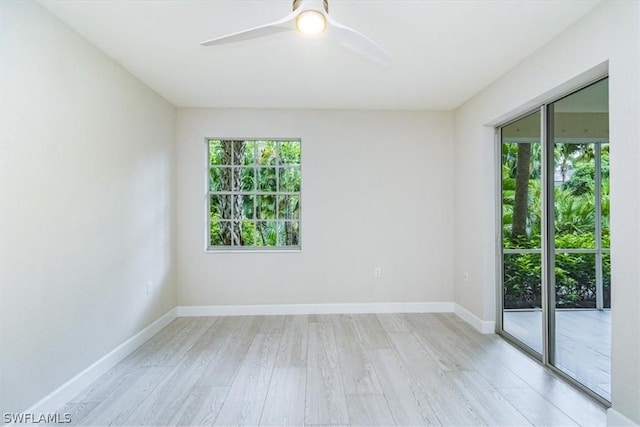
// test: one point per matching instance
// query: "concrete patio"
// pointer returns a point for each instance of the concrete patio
(583, 342)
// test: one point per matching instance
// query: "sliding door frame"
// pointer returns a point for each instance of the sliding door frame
(499, 244)
(548, 297)
(548, 235)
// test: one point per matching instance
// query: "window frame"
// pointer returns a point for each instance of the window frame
(208, 248)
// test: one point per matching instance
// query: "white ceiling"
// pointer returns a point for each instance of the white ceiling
(443, 51)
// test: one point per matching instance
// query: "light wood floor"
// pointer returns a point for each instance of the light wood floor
(412, 369)
(583, 343)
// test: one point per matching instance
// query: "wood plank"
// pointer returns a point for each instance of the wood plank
(112, 379)
(581, 408)
(439, 342)
(77, 412)
(371, 332)
(485, 400)
(174, 349)
(243, 405)
(326, 403)
(321, 318)
(406, 400)
(153, 345)
(200, 407)
(393, 323)
(123, 400)
(162, 404)
(271, 324)
(477, 354)
(222, 369)
(327, 425)
(358, 374)
(536, 408)
(215, 337)
(285, 402)
(293, 345)
(369, 410)
(449, 407)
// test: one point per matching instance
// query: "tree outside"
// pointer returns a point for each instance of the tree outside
(575, 224)
(254, 192)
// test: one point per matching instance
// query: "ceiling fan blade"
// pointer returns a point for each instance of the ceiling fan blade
(285, 24)
(358, 43)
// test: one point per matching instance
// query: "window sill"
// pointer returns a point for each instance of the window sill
(245, 250)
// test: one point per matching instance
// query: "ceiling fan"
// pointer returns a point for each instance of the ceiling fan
(311, 17)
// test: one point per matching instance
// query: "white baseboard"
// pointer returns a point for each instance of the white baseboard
(616, 419)
(63, 394)
(482, 326)
(288, 309)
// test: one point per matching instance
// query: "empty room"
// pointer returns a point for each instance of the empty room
(320, 212)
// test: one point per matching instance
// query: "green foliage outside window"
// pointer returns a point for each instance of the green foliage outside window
(574, 228)
(254, 193)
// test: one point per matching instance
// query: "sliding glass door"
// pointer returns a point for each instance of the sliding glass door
(579, 297)
(555, 236)
(521, 231)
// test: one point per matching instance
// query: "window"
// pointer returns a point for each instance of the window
(254, 194)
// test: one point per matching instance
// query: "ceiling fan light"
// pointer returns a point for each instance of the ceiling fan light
(311, 22)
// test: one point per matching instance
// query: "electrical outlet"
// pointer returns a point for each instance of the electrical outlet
(377, 272)
(465, 276)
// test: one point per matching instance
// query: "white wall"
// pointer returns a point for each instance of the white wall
(609, 33)
(86, 208)
(86, 169)
(377, 190)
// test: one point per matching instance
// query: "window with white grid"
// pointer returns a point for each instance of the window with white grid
(253, 194)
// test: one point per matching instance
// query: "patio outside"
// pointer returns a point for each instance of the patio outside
(583, 342)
